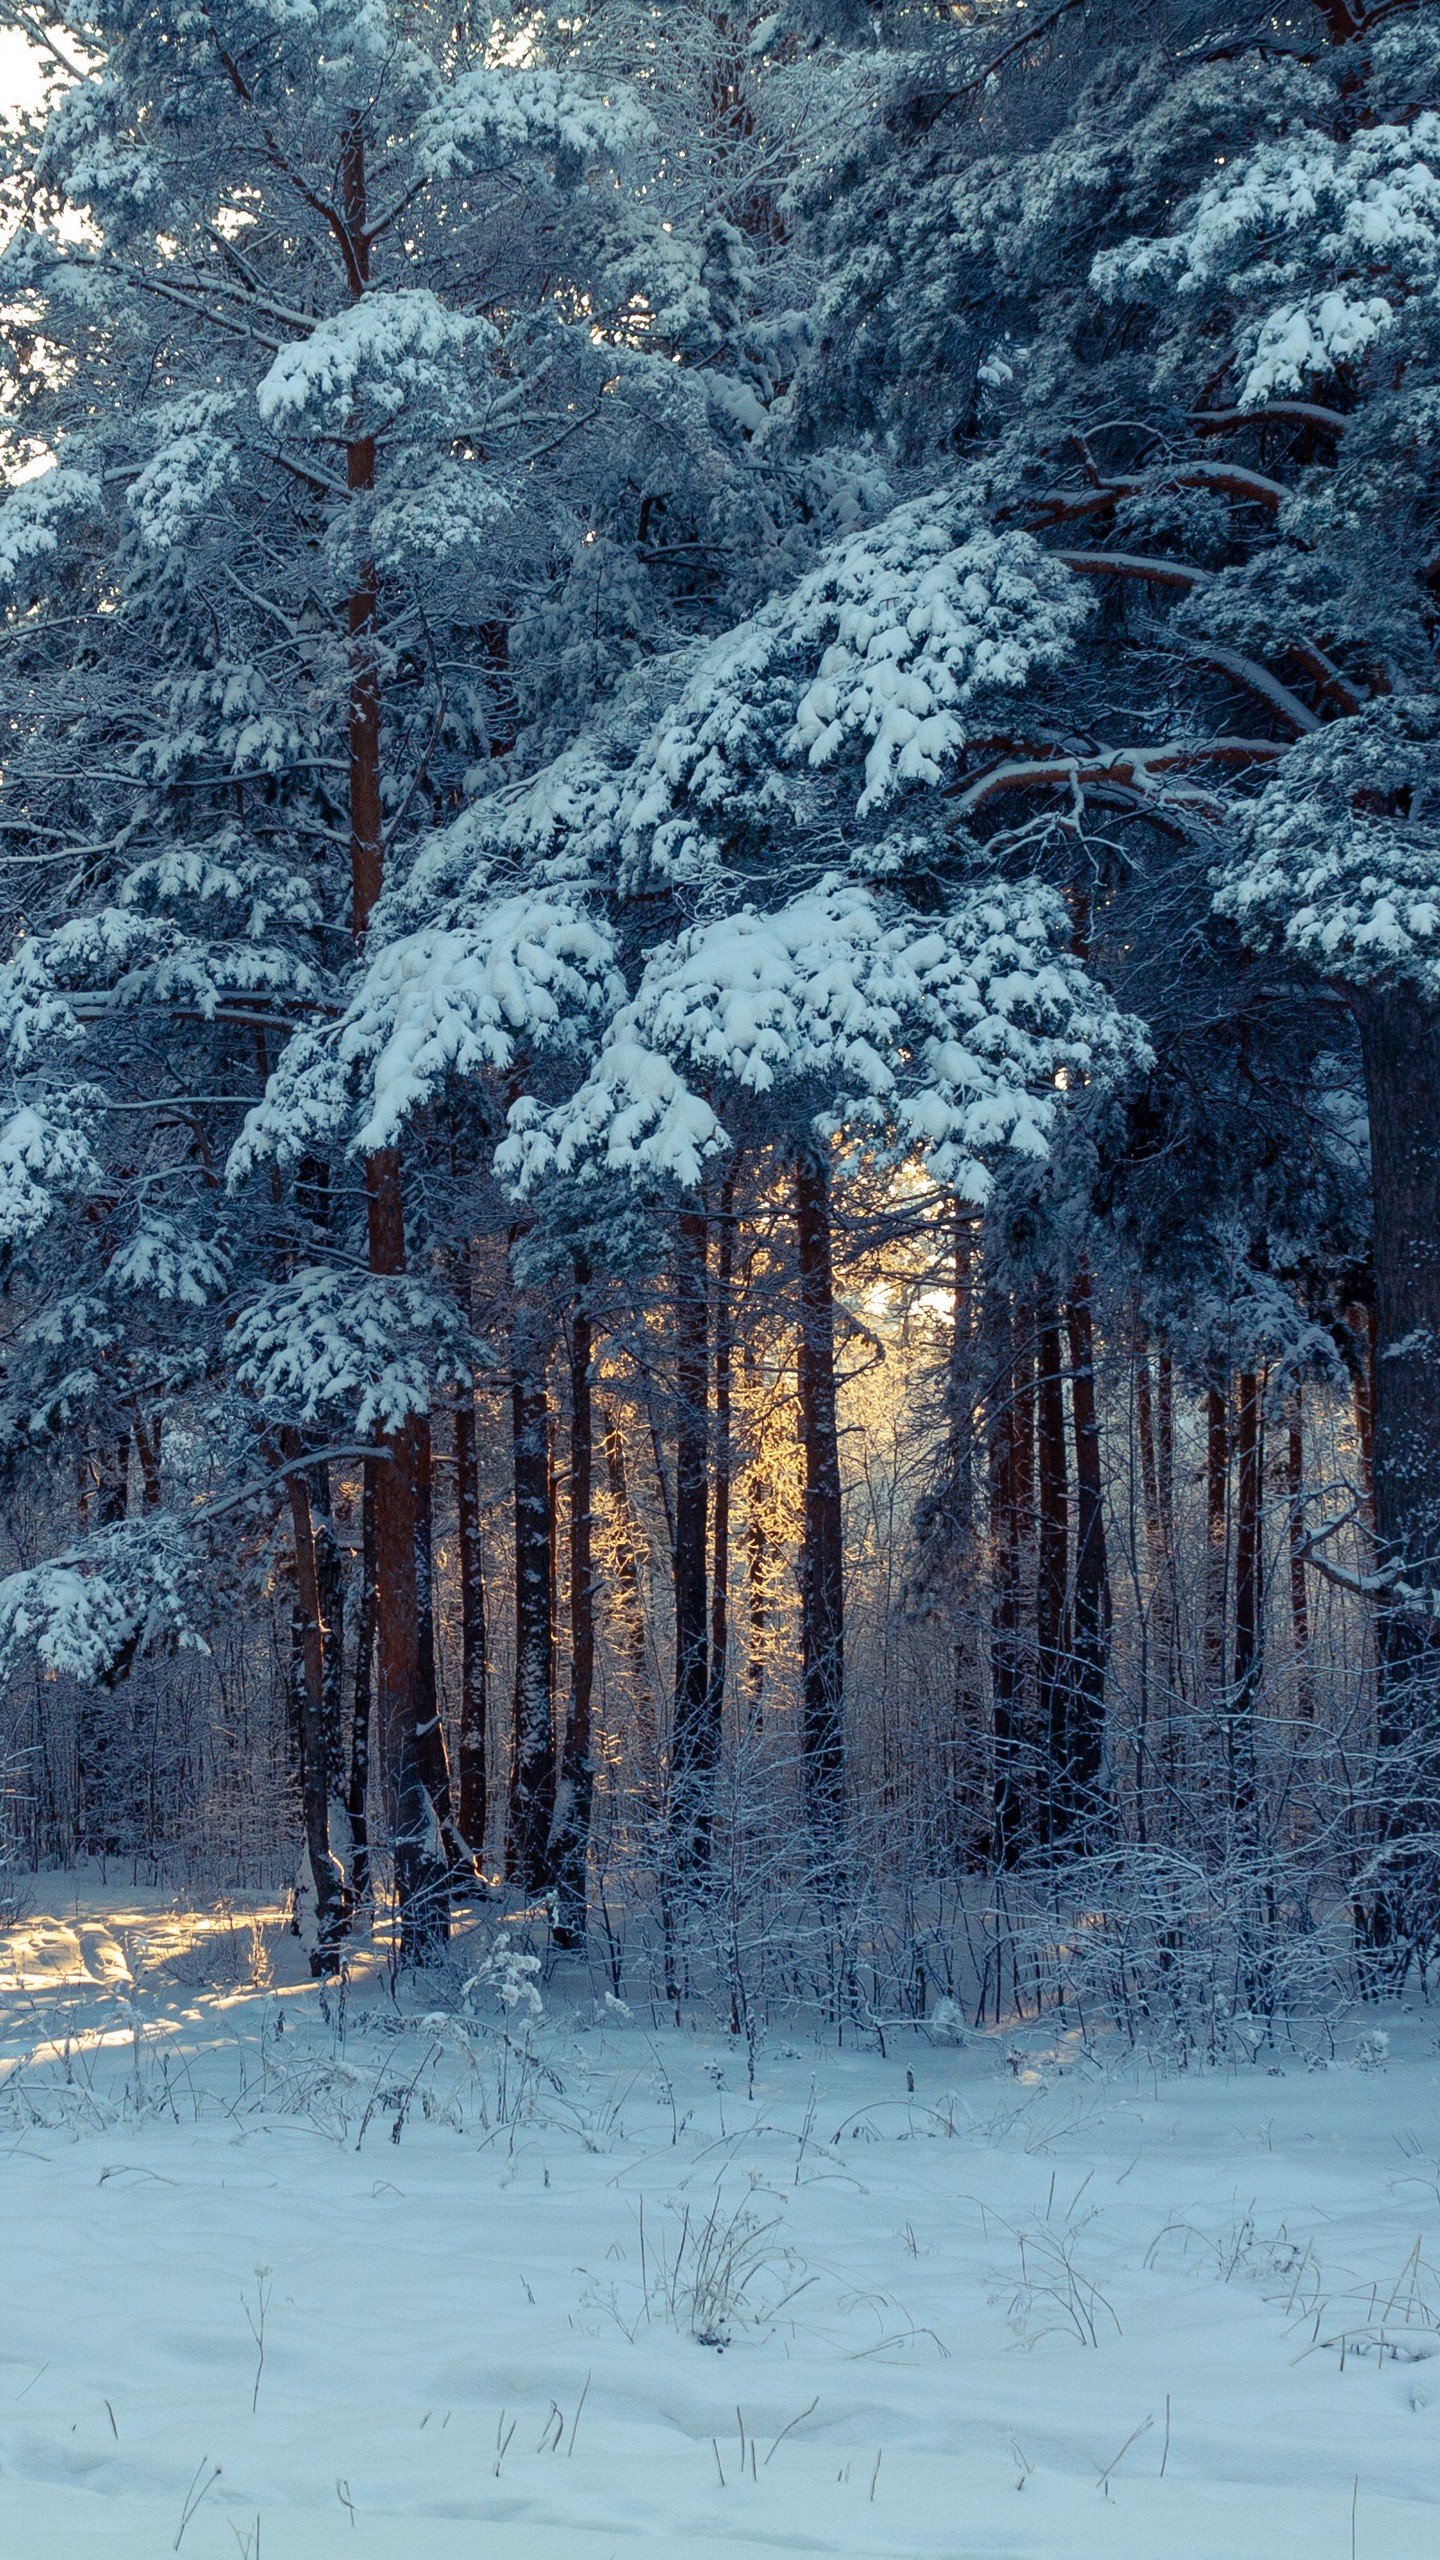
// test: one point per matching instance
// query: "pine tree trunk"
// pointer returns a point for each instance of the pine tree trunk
(532, 1745)
(1400, 1049)
(1248, 1596)
(314, 1757)
(630, 1593)
(330, 1576)
(722, 1455)
(1299, 1593)
(357, 1796)
(474, 1656)
(571, 1840)
(1165, 1453)
(1085, 1755)
(397, 1604)
(758, 1495)
(1149, 1467)
(1400, 1046)
(694, 1741)
(1217, 1492)
(822, 1574)
(445, 1853)
(1052, 1570)
(1012, 1822)
(1361, 1320)
(99, 1827)
(396, 1588)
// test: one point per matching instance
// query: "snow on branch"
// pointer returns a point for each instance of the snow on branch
(361, 366)
(121, 1592)
(491, 117)
(1320, 241)
(888, 647)
(370, 1350)
(35, 517)
(1338, 858)
(947, 1034)
(45, 1158)
(524, 974)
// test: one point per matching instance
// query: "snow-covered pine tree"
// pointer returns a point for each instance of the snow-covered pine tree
(1181, 328)
(317, 329)
(742, 919)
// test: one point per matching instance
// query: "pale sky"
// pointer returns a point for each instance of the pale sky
(19, 85)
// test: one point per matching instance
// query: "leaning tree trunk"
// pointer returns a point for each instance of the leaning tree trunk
(532, 1745)
(822, 1574)
(1400, 1049)
(474, 1655)
(694, 1748)
(570, 1839)
(1092, 1609)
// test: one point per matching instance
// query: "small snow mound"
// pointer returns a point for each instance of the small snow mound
(946, 2024)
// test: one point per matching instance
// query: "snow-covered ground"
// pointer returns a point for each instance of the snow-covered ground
(385, 2286)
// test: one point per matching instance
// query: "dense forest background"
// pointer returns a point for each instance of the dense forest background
(720, 827)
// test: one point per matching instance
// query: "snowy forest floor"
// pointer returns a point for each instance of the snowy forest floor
(388, 2286)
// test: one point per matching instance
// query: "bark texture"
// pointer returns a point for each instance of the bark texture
(822, 1569)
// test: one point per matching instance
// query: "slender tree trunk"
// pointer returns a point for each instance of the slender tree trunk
(630, 1604)
(822, 1577)
(357, 1799)
(431, 1756)
(112, 1501)
(396, 1519)
(1299, 1592)
(397, 1606)
(1052, 1569)
(722, 1455)
(1012, 1816)
(147, 1450)
(330, 1576)
(100, 1830)
(1217, 1491)
(571, 1838)
(474, 1655)
(314, 1757)
(532, 1749)
(1165, 1453)
(1361, 1320)
(1091, 1651)
(758, 1494)
(1248, 1596)
(956, 1823)
(1149, 1466)
(695, 1743)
